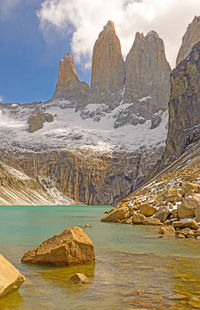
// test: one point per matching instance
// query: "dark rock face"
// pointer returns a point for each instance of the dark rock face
(184, 105)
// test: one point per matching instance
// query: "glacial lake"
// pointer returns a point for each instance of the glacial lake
(134, 268)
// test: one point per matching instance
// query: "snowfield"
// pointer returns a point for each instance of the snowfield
(70, 130)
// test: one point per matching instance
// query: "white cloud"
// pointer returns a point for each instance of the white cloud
(85, 19)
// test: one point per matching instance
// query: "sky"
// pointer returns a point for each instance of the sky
(36, 34)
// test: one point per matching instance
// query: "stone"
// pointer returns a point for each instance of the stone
(190, 38)
(147, 75)
(172, 195)
(190, 186)
(68, 85)
(178, 297)
(184, 212)
(138, 218)
(167, 231)
(162, 213)
(185, 223)
(79, 278)
(108, 67)
(152, 221)
(197, 213)
(88, 226)
(187, 232)
(10, 278)
(147, 210)
(174, 213)
(70, 247)
(116, 215)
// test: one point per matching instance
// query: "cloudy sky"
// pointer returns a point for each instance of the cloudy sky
(35, 35)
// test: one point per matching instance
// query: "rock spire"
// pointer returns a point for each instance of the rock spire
(147, 75)
(68, 85)
(108, 68)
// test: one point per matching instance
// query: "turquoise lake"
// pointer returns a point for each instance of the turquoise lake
(135, 269)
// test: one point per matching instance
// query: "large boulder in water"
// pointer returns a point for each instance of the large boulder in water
(10, 278)
(71, 247)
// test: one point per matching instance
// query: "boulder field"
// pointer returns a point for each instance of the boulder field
(171, 201)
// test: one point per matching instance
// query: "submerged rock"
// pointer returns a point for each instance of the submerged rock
(10, 278)
(79, 278)
(167, 231)
(185, 223)
(71, 247)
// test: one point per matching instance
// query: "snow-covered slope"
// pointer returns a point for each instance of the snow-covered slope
(80, 129)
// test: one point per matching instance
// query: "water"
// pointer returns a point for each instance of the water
(134, 268)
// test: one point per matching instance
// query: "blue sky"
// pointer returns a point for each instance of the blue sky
(36, 34)
(28, 62)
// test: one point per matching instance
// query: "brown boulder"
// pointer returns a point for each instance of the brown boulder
(172, 195)
(168, 231)
(138, 218)
(152, 221)
(185, 223)
(190, 186)
(116, 215)
(192, 202)
(184, 212)
(162, 213)
(187, 232)
(10, 278)
(147, 209)
(71, 247)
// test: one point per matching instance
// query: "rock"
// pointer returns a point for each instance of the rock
(184, 212)
(128, 221)
(71, 247)
(88, 226)
(79, 278)
(108, 68)
(10, 278)
(187, 232)
(167, 231)
(162, 213)
(116, 215)
(37, 120)
(179, 235)
(190, 38)
(155, 121)
(147, 75)
(197, 213)
(185, 223)
(138, 218)
(185, 92)
(172, 195)
(174, 213)
(190, 186)
(147, 209)
(152, 221)
(68, 85)
(177, 297)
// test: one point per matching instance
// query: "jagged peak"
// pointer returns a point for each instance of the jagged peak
(152, 33)
(110, 26)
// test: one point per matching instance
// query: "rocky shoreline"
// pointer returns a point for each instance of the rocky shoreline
(171, 201)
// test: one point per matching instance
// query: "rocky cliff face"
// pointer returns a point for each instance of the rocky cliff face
(191, 37)
(108, 69)
(68, 84)
(16, 188)
(184, 105)
(147, 75)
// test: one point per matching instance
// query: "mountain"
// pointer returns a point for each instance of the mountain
(16, 188)
(190, 38)
(96, 144)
